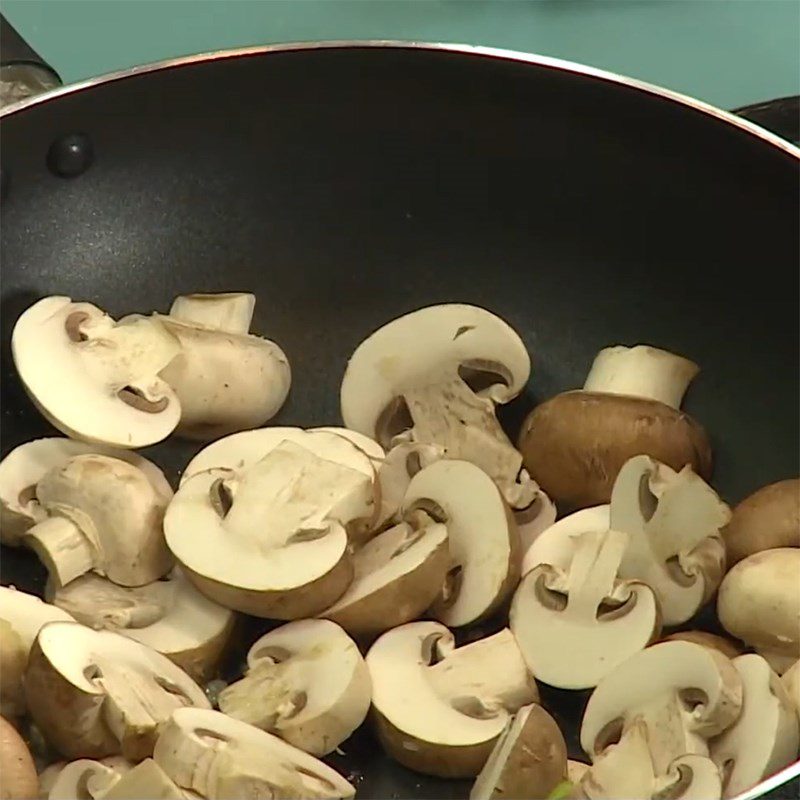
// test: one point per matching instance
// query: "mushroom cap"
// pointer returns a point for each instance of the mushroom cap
(25, 466)
(759, 601)
(219, 757)
(765, 737)
(481, 534)
(397, 575)
(574, 444)
(306, 682)
(18, 778)
(425, 345)
(726, 647)
(767, 519)
(82, 384)
(97, 693)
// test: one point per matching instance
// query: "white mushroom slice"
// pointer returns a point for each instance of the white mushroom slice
(221, 758)
(145, 780)
(397, 575)
(95, 379)
(791, 682)
(440, 710)
(528, 761)
(481, 534)
(103, 515)
(765, 737)
(683, 692)
(273, 536)
(169, 615)
(25, 466)
(673, 520)
(727, 647)
(575, 626)
(96, 693)
(434, 376)
(369, 446)
(80, 773)
(556, 545)
(535, 519)
(231, 312)
(18, 779)
(306, 682)
(576, 770)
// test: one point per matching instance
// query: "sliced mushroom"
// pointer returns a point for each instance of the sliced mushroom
(169, 615)
(96, 693)
(575, 443)
(527, 762)
(759, 602)
(481, 535)
(83, 779)
(368, 446)
(273, 539)
(306, 682)
(434, 376)
(683, 693)
(95, 379)
(440, 710)
(791, 682)
(673, 520)
(145, 780)
(765, 737)
(575, 626)
(104, 515)
(225, 378)
(727, 647)
(397, 575)
(221, 758)
(576, 770)
(535, 519)
(27, 464)
(18, 778)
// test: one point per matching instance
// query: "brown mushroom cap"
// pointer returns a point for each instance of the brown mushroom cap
(574, 444)
(727, 647)
(767, 519)
(18, 778)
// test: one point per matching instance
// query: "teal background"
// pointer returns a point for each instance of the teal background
(728, 52)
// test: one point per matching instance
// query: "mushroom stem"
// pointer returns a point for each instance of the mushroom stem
(641, 371)
(231, 312)
(62, 548)
(593, 573)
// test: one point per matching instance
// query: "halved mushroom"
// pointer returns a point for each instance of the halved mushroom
(575, 443)
(83, 779)
(434, 376)
(727, 647)
(18, 778)
(169, 615)
(221, 758)
(273, 537)
(104, 515)
(791, 682)
(231, 312)
(95, 379)
(96, 693)
(574, 626)
(397, 575)
(683, 693)
(765, 737)
(440, 710)
(759, 602)
(306, 682)
(27, 464)
(528, 761)
(767, 519)
(481, 533)
(673, 520)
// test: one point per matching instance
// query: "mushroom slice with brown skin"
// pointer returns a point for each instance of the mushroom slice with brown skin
(767, 519)
(440, 710)
(759, 603)
(18, 778)
(96, 693)
(434, 376)
(528, 761)
(765, 737)
(575, 626)
(481, 534)
(673, 520)
(231, 312)
(397, 575)
(25, 466)
(273, 537)
(575, 443)
(683, 693)
(104, 515)
(727, 647)
(221, 758)
(169, 615)
(95, 379)
(791, 682)
(306, 682)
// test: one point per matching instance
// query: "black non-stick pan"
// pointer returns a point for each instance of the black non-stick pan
(345, 184)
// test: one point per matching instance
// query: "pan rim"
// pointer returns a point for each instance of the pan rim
(504, 54)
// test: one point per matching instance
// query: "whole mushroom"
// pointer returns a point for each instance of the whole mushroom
(18, 778)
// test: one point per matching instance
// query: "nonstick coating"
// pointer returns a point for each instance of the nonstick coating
(347, 186)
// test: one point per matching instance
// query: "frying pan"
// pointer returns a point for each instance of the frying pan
(347, 183)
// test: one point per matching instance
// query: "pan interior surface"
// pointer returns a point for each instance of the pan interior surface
(347, 186)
